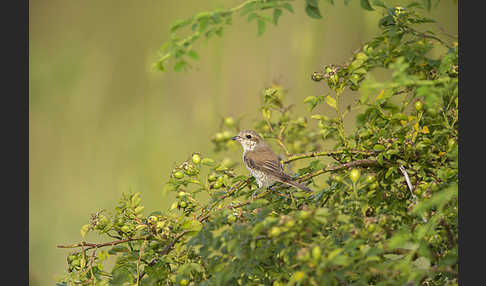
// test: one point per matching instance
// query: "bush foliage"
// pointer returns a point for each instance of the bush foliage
(385, 214)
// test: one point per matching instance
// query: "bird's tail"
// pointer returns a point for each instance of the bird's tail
(298, 185)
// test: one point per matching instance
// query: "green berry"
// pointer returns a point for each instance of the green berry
(290, 223)
(212, 177)
(354, 175)
(370, 179)
(274, 231)
(419, 105)
(316, 252)
(179, 175)
(196, 159)
(231, 218)
(229, 121)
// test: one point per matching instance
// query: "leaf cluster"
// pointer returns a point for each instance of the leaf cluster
(386, 214)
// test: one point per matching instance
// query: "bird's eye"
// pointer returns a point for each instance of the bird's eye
(248, 136)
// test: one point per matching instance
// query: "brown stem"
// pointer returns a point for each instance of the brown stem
(327, 153)
(97, 245)
(357, 163)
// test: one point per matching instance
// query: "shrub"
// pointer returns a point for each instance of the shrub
(386, 212)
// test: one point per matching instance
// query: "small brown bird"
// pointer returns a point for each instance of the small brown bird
(262, 162)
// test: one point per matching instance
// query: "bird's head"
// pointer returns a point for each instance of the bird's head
(249, 139)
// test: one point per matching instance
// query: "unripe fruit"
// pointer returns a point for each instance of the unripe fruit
(229, 121)
(217, 185)
(354, 175)
(152, 218)
(316, 252)
(183, 282)
(370, 179)
(299, 275)
(338, 178)
(374, 186)
(304, 214)
(231, 218)
(371, 227)
(227, 134)
(183, 204)
(179, 175)
(274, 231)
(196, 159)
(451, 143)
(219, 137)
(290, 223)
(419, 105)
(212, 177)
(227, 162)
(125, 228)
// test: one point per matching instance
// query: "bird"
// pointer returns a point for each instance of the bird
(264, 165)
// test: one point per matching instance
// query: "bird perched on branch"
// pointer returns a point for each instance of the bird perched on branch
(263, 164)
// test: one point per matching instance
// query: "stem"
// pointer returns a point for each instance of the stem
(97, 245)
(327, 153)
(362, 162)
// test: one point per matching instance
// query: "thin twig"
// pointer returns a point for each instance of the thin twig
(327, 153)
(98, 245)
(357, 163)
(138, 262)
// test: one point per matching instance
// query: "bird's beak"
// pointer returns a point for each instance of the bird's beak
(236, 137)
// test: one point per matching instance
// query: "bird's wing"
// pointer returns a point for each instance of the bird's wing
(266, 161)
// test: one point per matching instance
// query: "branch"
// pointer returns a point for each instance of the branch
(327, 153)
(98, 245)
(357, 163)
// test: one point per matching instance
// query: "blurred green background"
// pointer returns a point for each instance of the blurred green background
(103, 122)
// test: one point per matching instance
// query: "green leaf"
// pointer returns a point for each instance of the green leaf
(379, 3)
(193, 54)
(427, 4)
(179, 24)
(365, 4)
(261, 27)
(346, 2)
(313, 12)
(331, 101)
(422, 263)
(203, 23)
(379, 147)
(179, 66)
(120, 276)
(437, 200)
(313, 3)
(276, 15)
(288, 7)
(364, 98)
(252, 16)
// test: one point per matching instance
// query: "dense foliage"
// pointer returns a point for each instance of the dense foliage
(386, 214)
